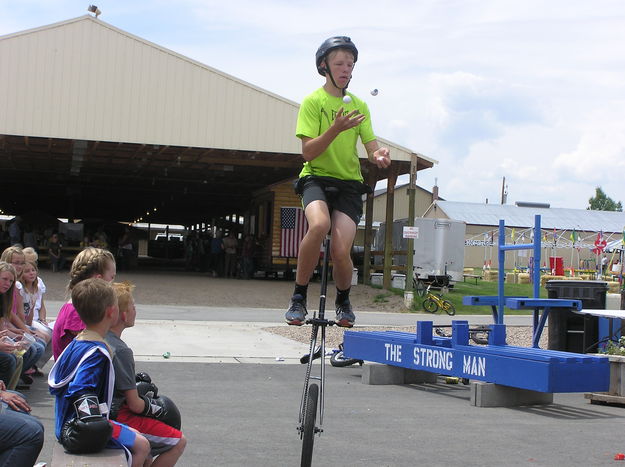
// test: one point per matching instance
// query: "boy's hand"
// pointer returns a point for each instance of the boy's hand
(382, 158)
(15, 401)
(348, 121)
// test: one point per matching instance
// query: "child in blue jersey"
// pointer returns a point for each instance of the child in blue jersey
(82, 381)
(329, 123)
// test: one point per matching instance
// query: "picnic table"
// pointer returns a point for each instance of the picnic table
(471, 276)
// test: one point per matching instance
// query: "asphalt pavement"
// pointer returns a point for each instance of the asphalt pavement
(238, 412)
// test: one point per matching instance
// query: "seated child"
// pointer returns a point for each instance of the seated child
(16, 321)
(31, 291)
(90, 262)
(137, 404)
(82, 380)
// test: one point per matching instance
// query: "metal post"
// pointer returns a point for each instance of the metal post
(537, 256)
(502, 274)
(411, 216)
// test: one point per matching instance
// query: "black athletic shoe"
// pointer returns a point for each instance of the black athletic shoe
(296, 314)
(345, 317)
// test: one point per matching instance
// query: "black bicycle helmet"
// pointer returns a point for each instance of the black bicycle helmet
(337, 42)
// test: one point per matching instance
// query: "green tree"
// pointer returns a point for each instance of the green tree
(602, 202)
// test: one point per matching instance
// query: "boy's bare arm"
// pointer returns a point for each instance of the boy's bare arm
(135, 403)
(313, 147)
(381, 157)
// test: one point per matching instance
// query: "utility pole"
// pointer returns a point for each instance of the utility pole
(504, 191)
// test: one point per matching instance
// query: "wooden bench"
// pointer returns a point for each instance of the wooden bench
(69, 253)
(105, 458)
(532, 369)
(471, 276)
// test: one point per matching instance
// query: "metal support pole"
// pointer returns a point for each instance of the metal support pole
(502, 274)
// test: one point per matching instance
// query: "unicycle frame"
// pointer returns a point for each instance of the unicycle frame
(319, 323)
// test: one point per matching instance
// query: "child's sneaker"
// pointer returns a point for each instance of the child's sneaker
(345, 317)
(296, 314)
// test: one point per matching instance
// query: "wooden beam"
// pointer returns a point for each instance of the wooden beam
(372, 178)
(388, 234)
(250, 162)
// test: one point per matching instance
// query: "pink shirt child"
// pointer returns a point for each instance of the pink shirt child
(66, 326)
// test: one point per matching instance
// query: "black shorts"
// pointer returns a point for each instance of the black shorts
(341, 195)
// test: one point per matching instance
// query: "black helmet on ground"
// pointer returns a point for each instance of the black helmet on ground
(337, 42)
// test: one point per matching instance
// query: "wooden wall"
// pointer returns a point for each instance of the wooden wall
(266, 207)
(284, 197)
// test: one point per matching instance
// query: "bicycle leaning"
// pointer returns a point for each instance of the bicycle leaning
(433, 302)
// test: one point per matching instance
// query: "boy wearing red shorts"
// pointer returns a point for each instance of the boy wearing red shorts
(135, 400)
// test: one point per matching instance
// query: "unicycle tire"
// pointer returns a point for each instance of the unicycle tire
(308, 438)
(337, 359)
(430, 305)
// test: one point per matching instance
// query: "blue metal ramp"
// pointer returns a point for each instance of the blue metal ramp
(521, 367)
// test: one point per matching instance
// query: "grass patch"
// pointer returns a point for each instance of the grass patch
(461, 289)
(382, 298)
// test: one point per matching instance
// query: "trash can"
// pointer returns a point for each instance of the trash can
(573, 332)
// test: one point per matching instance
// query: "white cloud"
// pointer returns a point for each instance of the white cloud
(600, 154)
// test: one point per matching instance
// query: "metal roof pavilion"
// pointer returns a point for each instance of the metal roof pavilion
(517, 216)
(98, 123)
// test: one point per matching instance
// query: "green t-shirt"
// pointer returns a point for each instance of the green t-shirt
(340, 159)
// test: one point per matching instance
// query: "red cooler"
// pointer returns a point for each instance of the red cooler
(557, 265)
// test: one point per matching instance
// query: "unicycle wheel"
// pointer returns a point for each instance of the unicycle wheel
(310, 415)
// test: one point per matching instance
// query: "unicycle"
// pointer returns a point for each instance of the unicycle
(313, 395)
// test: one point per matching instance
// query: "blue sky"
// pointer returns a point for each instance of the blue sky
(533, 91)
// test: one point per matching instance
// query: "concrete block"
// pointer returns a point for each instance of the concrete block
(382, 374)
(388, 374)
(419, 376)
(495, 395)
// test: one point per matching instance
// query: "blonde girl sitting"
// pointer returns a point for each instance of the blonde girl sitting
(90, 262)
(17, 319)
(31, 291)
(8, 348)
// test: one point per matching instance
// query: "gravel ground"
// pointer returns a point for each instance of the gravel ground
(184, 288)
(516, 335)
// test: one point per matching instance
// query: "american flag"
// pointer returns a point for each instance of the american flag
(293, 227)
